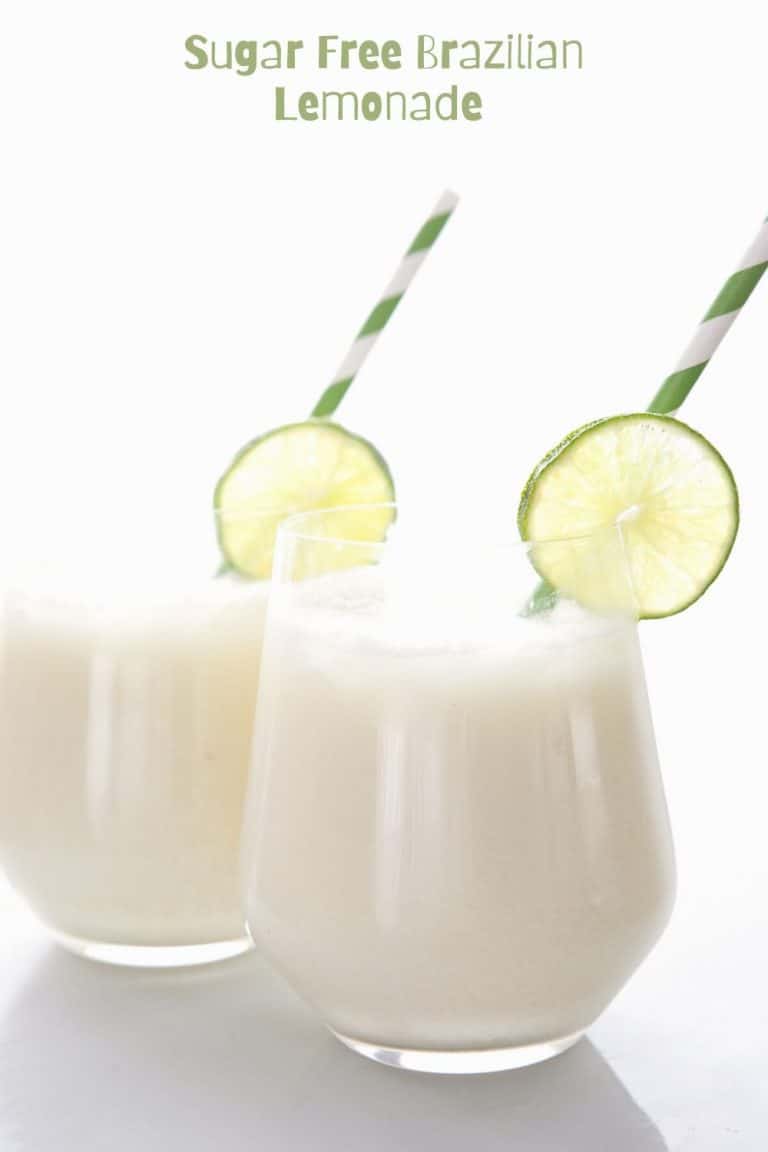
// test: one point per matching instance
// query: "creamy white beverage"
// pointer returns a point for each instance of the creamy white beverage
(125, 729)
(457, 834)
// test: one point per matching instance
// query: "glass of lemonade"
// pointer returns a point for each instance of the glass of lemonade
(128, 680)
(457, 846)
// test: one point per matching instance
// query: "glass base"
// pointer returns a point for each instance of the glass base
(462, 1062)
(153, 956)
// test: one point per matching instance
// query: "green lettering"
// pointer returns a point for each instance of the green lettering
(369, 54)
(446, 50)
(420, 111)
(390, 54)
(371, 106)
(245, 57)
(579, 52)
(195, 45)
(270, 54)
(472, 106)
(326, 45)
(280, 113)
(227, 54)
(426, 55)
(449, 98)
(308, 106)
(347, 48)
(491, 60)
(292, 50)
(550, 59)
(471, 54)
(343, 104)
(399, 99)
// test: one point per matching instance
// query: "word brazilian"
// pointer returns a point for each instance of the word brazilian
(519, 53)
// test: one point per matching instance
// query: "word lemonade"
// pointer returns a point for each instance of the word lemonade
(515, 52)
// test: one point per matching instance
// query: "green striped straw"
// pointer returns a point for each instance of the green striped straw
(712, 329)
(706, 340)
(390, 298)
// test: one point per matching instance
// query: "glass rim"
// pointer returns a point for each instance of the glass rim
(290, 528)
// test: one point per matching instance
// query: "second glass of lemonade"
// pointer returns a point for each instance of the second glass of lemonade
(457, 846)
(128, 682)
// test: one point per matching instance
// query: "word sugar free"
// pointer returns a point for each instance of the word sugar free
(511, 53)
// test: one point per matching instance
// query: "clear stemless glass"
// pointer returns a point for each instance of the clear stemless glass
(457, 846)
(128, 679)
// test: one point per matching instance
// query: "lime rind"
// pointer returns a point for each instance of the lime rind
(308, 465)
(672, 553)
(545, 461)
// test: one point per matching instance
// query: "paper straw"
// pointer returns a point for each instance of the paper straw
(706, 340)
(710, 333)
(390, 298)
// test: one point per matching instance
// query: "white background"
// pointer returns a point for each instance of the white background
(180, 273)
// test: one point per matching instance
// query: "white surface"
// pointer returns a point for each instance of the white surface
(226, 1057)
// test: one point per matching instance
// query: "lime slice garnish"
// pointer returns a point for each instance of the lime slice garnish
(668, 487)
(297, 468)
